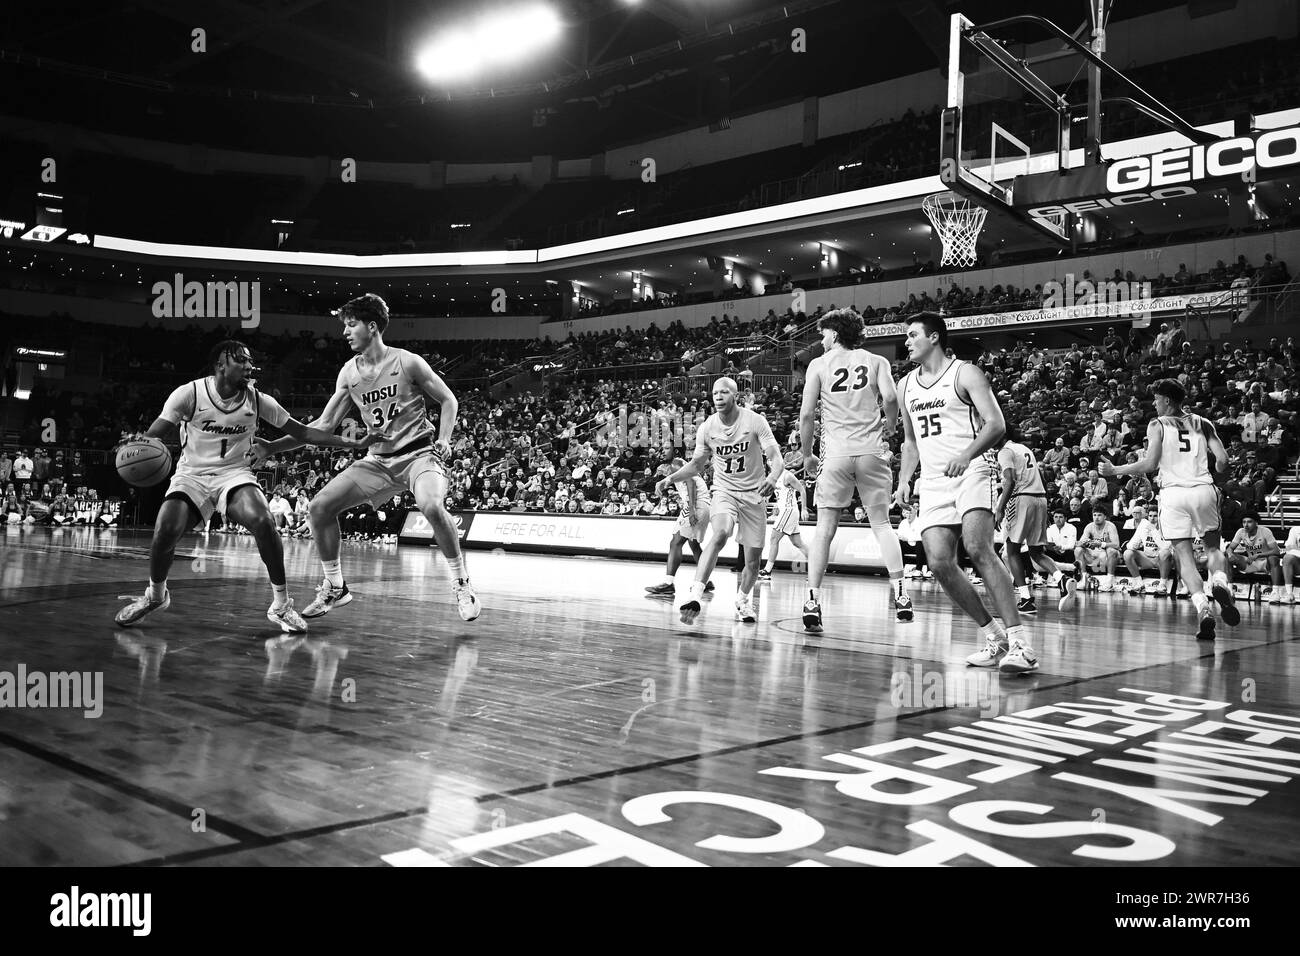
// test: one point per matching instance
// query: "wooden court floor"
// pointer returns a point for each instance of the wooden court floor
(577, 722)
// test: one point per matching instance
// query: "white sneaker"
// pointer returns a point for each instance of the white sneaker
(467, 601)
(1106, 588)
(139, 607)
(328, 597)
(1153, 587)
(993, 651)
(290, 621)
(1020, 659)
(745, 611)
(975, 579)
(1069, 596)
(1274, 595)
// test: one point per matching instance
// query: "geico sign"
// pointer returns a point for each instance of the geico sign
(1111, 202)
(1227, 157)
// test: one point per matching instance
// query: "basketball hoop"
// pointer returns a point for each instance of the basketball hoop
(958, 222)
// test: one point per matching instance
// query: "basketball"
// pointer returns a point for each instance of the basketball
(143, 462)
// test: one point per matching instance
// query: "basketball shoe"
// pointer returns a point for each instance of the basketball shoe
(328, 597)
(467, 601)
(290, 621)
(142, 606)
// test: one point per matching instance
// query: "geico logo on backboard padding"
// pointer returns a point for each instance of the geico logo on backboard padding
(1234, 156)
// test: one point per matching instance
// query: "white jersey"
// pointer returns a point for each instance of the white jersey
(788, 496)
(943, 422)
(852, 423)
(1028, 480)
(1146, 538)
(1293, 540)
(701, 492)
(737, 449)
(1254, 547)
(216, 435)
(1184, 462)
(389, 400)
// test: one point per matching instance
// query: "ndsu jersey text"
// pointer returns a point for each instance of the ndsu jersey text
(389, 400)
(737, 450)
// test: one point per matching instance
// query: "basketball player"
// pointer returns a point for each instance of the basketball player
(1148, 550)
(1177, 445)
(217, 417)
(736, 439)
(791, 494)
(692, 526)
(1254, 550)
(850, 384)
(389, 388)
(951, 421)
(1022, 513)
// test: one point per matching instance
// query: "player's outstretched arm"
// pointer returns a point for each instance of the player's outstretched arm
(328, 422)
(1148, 462)
(699, 461)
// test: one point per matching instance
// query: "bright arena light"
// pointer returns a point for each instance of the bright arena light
(493, 40)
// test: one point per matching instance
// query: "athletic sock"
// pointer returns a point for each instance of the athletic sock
(1022, 592)
(815, 595)
(333, 572)
(157, 589)
(457, 566)
(993, 629)
(1018, 632)
(669, 579)
(769, 567)
(1055, 579)
(279, 595)
(1200, 601)
(900, 587)
(697, 589)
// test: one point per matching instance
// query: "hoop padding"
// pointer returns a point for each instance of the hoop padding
(958, 222)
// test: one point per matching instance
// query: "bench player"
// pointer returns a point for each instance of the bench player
(1178, 444)
(217, 418)
(952, 421)
(389, 387)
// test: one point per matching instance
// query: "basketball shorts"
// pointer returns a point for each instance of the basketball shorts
(869, 474)
(1259, 566)
(1094, 558)
(1026, 520)
(210, 492)
(698, 530)
(1293, 553)
(749, 511)
(945, 501)
(1145, 559)
(379, 479)
(1188, 512)
(786, 521)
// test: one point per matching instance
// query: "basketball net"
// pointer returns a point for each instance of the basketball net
(958, 222)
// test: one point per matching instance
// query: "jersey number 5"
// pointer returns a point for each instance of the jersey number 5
(930, 425)
(1184, 440)
(378, 414)
(842, 376)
